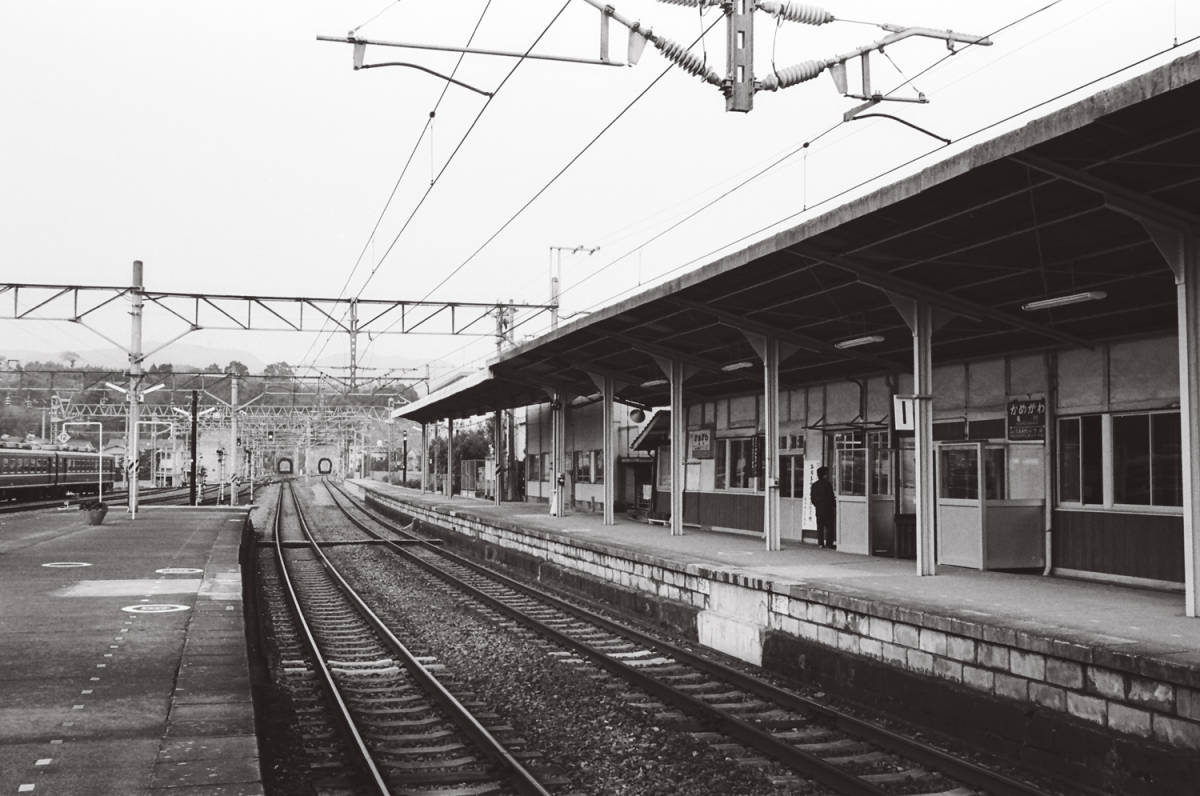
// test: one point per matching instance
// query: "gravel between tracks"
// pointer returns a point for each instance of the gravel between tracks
(604, 745)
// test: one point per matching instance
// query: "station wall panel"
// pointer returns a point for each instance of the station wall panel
(1143, 373)
(1129, 545)
(738, 510)
(1081, 377)
(1027, 374)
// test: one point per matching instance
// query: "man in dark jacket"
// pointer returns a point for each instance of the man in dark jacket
(825, 506)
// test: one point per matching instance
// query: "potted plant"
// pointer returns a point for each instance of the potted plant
(96, 509)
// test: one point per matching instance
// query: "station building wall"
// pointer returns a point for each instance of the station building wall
(1109, 466)
(584, 446)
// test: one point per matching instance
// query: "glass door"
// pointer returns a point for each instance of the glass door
(961, 487)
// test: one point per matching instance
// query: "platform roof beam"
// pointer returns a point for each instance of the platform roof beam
(797, 340)
(661, 352)
(879, 278)
(1117, 197)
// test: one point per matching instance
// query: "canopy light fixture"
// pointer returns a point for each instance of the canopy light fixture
(654, 383)
(857, 341)
(1062, 301)
(732, 366)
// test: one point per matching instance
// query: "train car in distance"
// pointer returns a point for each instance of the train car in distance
(37, 474)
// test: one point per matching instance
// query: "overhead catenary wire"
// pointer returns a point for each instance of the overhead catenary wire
(802, 148)
(395, 187)
(574, 159)
(524, 322)
(458, 147)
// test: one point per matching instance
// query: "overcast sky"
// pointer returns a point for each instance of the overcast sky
(223, 145)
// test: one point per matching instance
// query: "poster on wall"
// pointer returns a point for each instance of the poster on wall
(809, 521)
(700, 442)
(1025, 420)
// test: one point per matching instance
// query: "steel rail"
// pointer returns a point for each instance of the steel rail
(519, 777)
(378, 785)
(803, 762)
(956, 768)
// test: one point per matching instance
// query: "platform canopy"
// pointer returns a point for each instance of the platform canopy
(1064, 205)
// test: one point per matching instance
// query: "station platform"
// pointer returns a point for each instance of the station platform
(1110, 660)
(123, 665)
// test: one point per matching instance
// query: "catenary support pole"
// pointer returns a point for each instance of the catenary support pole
(135, 378)
(192, 447)
(234, 451)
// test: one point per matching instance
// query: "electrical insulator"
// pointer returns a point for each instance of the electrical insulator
(803, 13)
(689, 62)
(792, 75)
(692, 3)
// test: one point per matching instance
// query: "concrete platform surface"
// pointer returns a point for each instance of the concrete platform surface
(122, 655)
(1123, 619)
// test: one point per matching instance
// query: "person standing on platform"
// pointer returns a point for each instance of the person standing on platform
(824, 505)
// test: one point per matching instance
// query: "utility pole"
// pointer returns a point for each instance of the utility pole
(353, 343)
(135, 377)
(404, 461)
(192, 481)
(556, 275)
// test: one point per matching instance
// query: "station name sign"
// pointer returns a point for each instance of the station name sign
(1025, 420)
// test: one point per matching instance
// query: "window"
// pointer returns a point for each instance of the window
(791, 476)
(664, 468)
(583, 467)
(881, 463)
(960, 473)
(850, 463)
(533, 464)
(994, 473)
(598, 466)
(1080, 460)
(1147, 463)
(739, 463)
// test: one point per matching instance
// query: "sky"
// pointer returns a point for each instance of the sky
(230, 151)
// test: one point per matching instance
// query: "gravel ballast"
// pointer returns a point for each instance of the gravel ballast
(588, 731)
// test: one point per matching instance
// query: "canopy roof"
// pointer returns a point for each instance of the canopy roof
(1050, 209)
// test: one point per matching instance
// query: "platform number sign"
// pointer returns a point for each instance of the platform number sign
(1026, 419)
(904, 412)
(63, 438)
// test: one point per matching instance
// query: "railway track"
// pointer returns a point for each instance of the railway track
(374, 719)
(149, 497)
(788, 735)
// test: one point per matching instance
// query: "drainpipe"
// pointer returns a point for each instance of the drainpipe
(1051, 457)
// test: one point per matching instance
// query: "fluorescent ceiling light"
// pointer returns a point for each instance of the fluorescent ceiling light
(654, 383)
(857, 341)
(737, 365)
(1062, 301)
